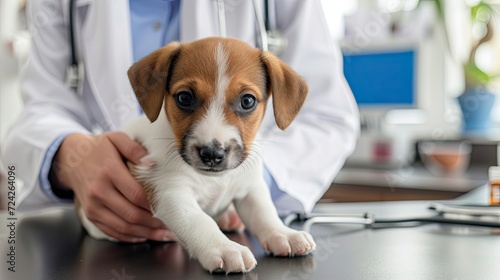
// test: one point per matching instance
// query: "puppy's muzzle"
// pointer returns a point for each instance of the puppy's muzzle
(212, 155)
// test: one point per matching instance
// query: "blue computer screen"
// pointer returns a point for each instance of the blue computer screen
(382, 78)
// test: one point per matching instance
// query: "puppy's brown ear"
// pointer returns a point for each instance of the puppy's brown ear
(148, 78)
(289, 90)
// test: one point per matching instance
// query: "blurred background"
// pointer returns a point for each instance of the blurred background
(409, 64)
(426, 77)
(425, 74)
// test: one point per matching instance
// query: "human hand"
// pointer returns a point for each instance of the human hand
(93, 167)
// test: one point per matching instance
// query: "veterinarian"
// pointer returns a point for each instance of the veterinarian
(65, 143)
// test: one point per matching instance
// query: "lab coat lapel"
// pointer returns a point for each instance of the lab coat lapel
(199, 19)
(107, 50)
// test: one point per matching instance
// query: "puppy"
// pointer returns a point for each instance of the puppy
(203, 104)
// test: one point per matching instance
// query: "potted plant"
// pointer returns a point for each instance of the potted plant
(478, 98)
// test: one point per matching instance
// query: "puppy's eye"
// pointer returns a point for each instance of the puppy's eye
(248, 102)
(185, 99)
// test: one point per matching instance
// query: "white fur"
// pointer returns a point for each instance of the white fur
(213, 126)
(222, 80)
(187, 200)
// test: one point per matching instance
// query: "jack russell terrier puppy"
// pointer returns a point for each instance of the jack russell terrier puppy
(203, 104)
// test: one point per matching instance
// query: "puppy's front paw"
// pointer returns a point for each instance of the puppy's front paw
(228, 257)
(288, 242)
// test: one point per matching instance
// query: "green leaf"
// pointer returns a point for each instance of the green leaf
(479, 10)
(440, 8)
(495, 76)
(476, 76)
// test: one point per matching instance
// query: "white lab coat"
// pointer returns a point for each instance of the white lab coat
(303, 160)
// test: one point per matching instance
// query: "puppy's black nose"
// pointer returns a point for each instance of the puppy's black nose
(212, 155)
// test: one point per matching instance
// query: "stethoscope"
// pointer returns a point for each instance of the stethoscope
(270, 40)
(467, 215)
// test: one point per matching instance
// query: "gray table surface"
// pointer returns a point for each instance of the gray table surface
(51, 245)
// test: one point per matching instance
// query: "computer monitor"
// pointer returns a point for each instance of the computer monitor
(382, 79)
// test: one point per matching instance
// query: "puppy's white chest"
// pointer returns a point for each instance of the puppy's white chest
(215, 194)
(212, 193)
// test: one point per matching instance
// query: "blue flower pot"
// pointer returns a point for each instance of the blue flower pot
(477, 104)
